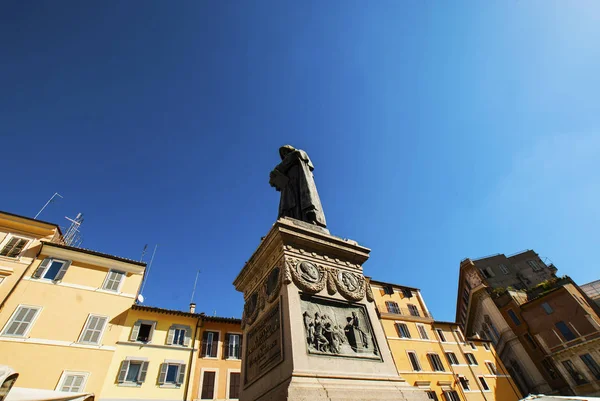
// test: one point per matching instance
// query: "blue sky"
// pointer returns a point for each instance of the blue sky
(439, 131)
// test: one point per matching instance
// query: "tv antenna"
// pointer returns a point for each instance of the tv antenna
(147, 271)
(144, 252)
(72, 236)
(47, 203)
(194, 290)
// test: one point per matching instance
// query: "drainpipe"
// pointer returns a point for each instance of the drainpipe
(191, 361)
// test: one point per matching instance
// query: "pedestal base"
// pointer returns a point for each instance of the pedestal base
(319, 389)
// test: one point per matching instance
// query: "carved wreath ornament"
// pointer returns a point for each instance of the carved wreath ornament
(313, 278)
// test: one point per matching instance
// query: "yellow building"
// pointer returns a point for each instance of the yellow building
(434, 355)
(60, 318)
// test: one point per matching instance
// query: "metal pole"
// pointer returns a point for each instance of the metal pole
(147, 272)
(194, 290)
(47, 203)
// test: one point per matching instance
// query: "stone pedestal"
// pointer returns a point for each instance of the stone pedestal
(310, 327)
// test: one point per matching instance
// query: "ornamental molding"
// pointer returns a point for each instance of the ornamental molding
(321, 257)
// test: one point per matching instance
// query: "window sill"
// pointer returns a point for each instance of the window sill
(130, 384)
(233, 359)
(170, 385)
(209, 357)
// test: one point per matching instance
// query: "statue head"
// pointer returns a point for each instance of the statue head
(285, 150)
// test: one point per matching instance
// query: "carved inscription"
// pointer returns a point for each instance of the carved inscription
(264, 349)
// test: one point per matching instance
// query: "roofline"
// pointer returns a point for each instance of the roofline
(200, 315)
(478, 339)
(32, 220)
(94, 253)
(396, 285)
(219, 319)
(444, 322)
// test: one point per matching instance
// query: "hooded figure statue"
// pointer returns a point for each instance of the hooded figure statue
(293, 177)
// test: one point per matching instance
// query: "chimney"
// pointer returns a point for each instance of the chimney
(192, 307)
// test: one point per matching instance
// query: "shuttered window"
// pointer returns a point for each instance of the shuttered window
(422, 332)
(52, 269)
(452, 360)
(484, 384)
(172, 374)
(464, 382)
(470, 358)
(402, 330)
(113, 281)
(179, 335)
(392, 307)
(492, 368)
(92, 331)
(436, 362)
(133, 371)
(21, 321)
(233, 345)
(414, 361)
(73, 382)
(13, 247)
(451, 396)
(208, 386)
(414, 311)
(142, 331)
(234, 385)
(210, 344)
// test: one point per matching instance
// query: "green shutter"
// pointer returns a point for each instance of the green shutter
(135, 331)
(171, 335)
(143, 371)
(188, 336)
(123, 371)
(162, 376)
(181, 377)
(62, 271)
(215, 345)
(38, 272)
(226, 346)
(204, 344)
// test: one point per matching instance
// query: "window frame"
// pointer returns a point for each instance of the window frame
(181, 367)
(504, 269)
(431, 393)
(65, 374)
(422, 331)
(547, 308)
(413, 310)
(484, 383)
(395, 307)
(535, 266)
(556, 324)
(416, 360)
(10, 321)
(513, 317)
(400, 332)
(83, 331)
(573, 372)
(151, 323)
(464, 383)
(468, 357)
(459, 336)
(130, 360)
(228, 336)
(187, 337)
(106, 278)
(472, 345)
(215, 383)
(451, 395)
(217, 345)
(7, 240)
(42, 275)
(451, 360)
(486, 346)
(228, 389)
(592, 366)
(441, 335)
(433, 362)
(492, 368)
(388, 290)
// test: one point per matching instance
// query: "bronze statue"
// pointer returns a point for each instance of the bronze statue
(294, 179)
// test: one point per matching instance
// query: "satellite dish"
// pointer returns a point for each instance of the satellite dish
(140, 298)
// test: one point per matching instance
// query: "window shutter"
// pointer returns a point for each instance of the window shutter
(204, 345)
(123, 371)
(239, 355)
(171, 335)
(62, 271)
(215, 345)
(151, 332)
(143, 371)
(226, 346)
(188, 336)
(181, 374)
(38, 272)
(135, 331)
(163, 373)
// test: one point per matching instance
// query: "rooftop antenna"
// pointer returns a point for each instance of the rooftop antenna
(72, 236)
(194, 290)
(144, 252)
(47, 203)
(147, 271)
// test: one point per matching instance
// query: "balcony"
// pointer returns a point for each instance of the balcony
(405, 314)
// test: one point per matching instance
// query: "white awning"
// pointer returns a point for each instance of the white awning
(34, 394)
(542, 397)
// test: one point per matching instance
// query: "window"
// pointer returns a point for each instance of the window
(414, 311)
(503, 269)
(13, 247)
(440, 334)
(436, 362)
(514, 317)
(459, 336)
(388, 289)
(210, 344)
(414, 361)
(422, 332)
(591, 365)
(492, 368)
(407, 293)
(392, 307)
(530, 340)
(487, 272)
(578, 377)
(565, 331)
(142, 331)
(431, 395)
(72, 382)
(402, 330)
(486, 346)
(484, 384)
(234, 385)
(171, 373)
(133, 371)
(92, 331)
(21, 321)
(534, 265)
(451, 396)
(52, 269)
(549, 367)
(179, 335)
(464, 382)
(1, 280)
(452, 360)
(113, 281)
(470, 358)
(233, 345)
(472, 344)
(547, 308)
(208, 386)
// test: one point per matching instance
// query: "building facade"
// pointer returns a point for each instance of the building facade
(435, 356)
(592, 290)
(545, 328)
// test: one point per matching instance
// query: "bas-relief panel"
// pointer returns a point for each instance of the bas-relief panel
(338, 329)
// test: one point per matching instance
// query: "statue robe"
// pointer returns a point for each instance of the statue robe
(299, 196)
